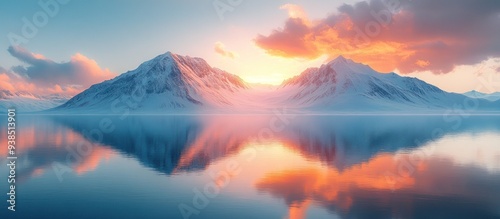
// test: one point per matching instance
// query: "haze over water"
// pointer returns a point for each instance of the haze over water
(257, 166)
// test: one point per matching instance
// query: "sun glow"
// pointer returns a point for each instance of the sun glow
(254, 65)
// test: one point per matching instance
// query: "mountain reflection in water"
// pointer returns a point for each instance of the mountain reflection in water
(317, 166)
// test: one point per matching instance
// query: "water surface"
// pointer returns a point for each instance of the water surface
(256, 166)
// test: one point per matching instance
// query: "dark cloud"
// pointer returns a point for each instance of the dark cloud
(20, 70)
(392, 34)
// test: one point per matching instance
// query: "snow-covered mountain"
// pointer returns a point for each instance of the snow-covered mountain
(168, 82)
(172, 83)
(24, 101)
(343, 85)
(490, 97)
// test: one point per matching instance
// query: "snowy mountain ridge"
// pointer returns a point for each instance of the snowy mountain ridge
(171, 83)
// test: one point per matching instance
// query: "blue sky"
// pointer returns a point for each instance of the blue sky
(121, 34)
(260, 38)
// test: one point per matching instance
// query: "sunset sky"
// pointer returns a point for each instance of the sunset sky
(453, 44)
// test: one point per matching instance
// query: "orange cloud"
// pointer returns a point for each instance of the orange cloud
(408, 36)
(293, 41)
(422, 63)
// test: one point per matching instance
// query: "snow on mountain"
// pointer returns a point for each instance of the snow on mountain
(343, 85)
(24, 101)
(167, 82)
(490, 97)
(172, 83)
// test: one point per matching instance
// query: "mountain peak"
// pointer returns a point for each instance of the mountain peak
(474, 92)
(179, 59)
(168, 81)
(166, 56)
(341, 60)
(165, 62)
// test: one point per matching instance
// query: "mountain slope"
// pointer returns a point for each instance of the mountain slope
(345, 85)
(24, 101)
(167, 82)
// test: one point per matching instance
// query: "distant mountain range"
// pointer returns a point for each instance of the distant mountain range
(490, 97)
(28, 102)
(171, 83)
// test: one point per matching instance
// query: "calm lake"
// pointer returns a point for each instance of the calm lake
(254, 166)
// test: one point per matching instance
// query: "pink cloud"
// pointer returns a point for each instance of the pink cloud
(47, 76)
(5, 82)
(220, 49)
